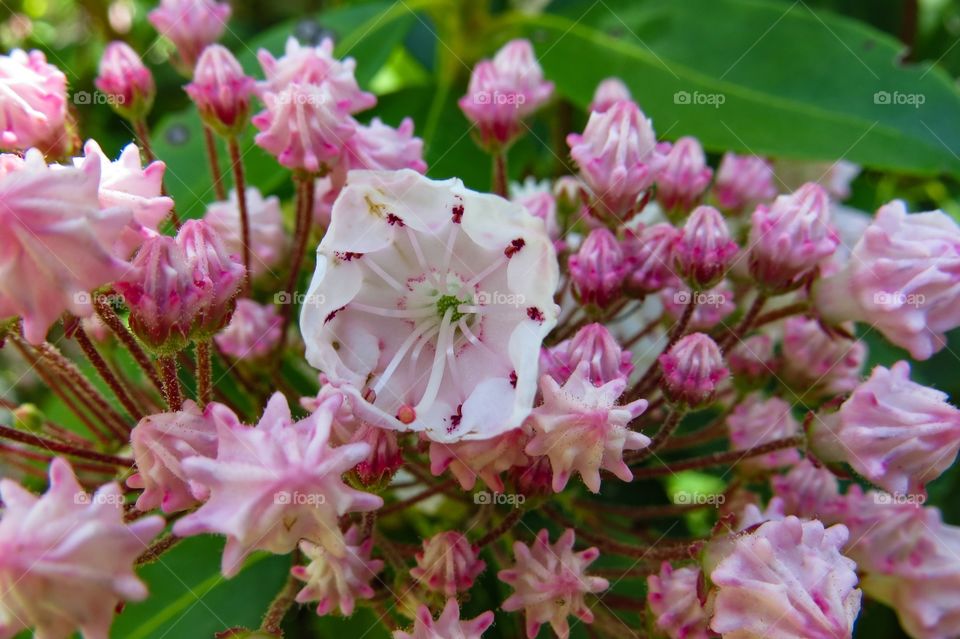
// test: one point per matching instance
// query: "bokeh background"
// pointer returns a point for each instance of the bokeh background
(869, 81)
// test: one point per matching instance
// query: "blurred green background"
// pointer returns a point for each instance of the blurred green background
(801, 79)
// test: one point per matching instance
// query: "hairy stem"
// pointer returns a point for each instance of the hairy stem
(171, 383)
(115, 324)
(236, 163)
(500, 173)
(281, 604)
(204, 373)
(719, 459)
(107, 374)
(305, 187)
(502, 528)
(210, 141)
(662, 435)
(59, 447)
(157, 548)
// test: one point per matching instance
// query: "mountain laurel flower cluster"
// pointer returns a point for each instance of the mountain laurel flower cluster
(631, 386)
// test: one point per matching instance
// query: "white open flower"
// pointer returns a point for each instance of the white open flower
(429, 305)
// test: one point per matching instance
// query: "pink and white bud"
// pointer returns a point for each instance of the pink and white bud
(125, 79)
(597, 269)
(609, 92)
(672, 596)
(898, 434)
(791, 237)
(216, 273)
(712, 305)
(786, 579)
(57, 243)
(743, 181)
(447, 626)
(753, 358)
(253, 332)
(901, 279)
(817, 364)
(191, 25)
(221, 91)
(758, 420)
(503, 91)
(550, 583)
(161, 294)
(684, 177)
(582, 429)
(381, 147)
(809, 491)
(336, 582)
(448, 564)
(704, 250)
(67, 558)
(160, 444)
(648, 256)
(33, 105)
(269, 240)
(315, 66)
(304, 127)
(618, 158)
(275, 484)
(594, 345)
(483, 458)
(692, 370)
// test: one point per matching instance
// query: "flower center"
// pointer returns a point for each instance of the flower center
(445, 302)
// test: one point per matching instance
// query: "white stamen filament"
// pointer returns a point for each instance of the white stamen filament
(398, 356)
(436, 373)
(402, 313)
(376, 268)
(485, 272)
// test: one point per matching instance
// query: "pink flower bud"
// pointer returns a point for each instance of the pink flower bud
(448, 564)
(221, 91)
(790, 237)
(550, 583)
(809, 490)
(618, 158)
(597, 269)
(304, 127)
(447, 625)
(692, 370)
(753, 358)
(191, 25)
(818, 364)
(594, 345)
(672, 596)
(380, 147)
(743, 181)
(758, 420)
(648, 256)
(685, 176)
(503, 91)
(217, 274)
(33, 104)
(540, 201)
(704, 250)
(385, 456)
(126, 80)
(67, 559)
(160, 291)
(160, 444)
(582, 429)
(608, 93)
(901, 278)
(253, 331)
(483, 458)
(898, 434)
(786, 579)
(336, 582)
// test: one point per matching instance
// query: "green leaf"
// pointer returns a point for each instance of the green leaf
(759, 76)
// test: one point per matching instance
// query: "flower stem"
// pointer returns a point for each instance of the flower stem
(652, 375)
(719, 459)
(662, 435)
(780, 313)
(745, 324)
(410, 501)
(157, 548)
(281, 604)
(143, 135)
(236, 163)
(500, 173)
(171, 383)
(214, 161)
(305, 187)
(204, 373)
(107, 374)
(60, 447)
(113, 321)
(508, 522)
